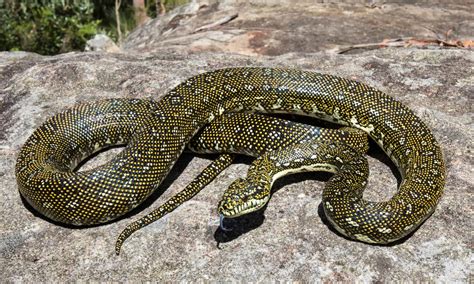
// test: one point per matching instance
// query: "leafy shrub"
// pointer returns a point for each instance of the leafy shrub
(46, 28)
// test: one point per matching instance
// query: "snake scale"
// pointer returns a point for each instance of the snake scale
(46, 179)
(256, 136)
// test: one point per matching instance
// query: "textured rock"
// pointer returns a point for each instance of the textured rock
(290, 240)
(101, 42)
(296, 26)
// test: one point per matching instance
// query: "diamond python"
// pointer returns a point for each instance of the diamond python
(92, 197)
(257, 136)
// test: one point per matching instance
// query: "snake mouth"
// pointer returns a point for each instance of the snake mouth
(242, 209)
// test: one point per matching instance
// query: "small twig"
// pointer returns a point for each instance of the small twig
(405, 42)
(160, 7)
(117, 19)
(217, 23)
(384, 43)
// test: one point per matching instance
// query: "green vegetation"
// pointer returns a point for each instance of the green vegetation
(169, 5)
(55, 26)
(46, 28)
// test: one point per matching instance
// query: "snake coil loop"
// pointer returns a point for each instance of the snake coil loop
(45, 164)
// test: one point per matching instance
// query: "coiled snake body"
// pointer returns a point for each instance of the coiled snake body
(47, 182)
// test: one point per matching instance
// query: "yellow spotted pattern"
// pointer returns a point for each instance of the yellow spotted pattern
(92, 197)
(248, 134)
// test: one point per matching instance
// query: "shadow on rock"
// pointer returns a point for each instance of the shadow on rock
(239, 226)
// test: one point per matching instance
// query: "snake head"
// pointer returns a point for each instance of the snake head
(243, 197)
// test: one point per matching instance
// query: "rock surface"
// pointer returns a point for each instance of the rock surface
(290, 240)
(298, 26)
(101, 42)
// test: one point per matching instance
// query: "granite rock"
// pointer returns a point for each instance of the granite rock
(271, 28)
(290, 239)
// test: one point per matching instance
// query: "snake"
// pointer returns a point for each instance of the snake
(252, 135)
(44, 163)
